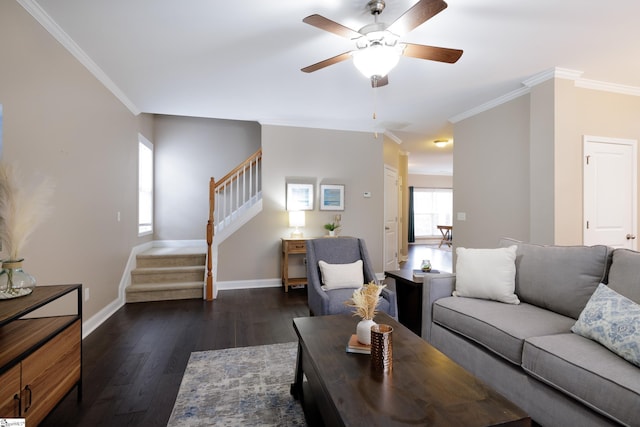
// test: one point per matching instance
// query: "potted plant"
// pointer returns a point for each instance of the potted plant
(23, 206)
(332, 227)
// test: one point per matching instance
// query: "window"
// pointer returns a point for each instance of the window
(145, 186)
(431, 207)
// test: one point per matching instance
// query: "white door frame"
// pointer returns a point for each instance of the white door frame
(394, 203)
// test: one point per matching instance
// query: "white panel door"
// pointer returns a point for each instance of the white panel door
(390, 219)
(610, 200)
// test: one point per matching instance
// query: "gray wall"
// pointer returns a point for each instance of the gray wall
(542, 137)
(491, 179)
(188, 152)
(354, 159)
(60, 122)
(518, 166)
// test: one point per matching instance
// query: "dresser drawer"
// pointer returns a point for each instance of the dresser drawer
(297, 246)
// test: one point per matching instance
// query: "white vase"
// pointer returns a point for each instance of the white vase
(363, 331)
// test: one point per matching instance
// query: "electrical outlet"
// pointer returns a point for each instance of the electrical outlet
(86, 294)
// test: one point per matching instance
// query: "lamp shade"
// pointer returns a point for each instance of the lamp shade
(376, 59)
(296, 218)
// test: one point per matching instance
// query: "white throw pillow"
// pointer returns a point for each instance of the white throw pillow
(337, 276)
(487, 274)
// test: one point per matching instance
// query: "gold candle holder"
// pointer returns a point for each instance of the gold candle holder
(381, 348)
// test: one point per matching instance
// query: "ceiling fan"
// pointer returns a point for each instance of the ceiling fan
(377, 45)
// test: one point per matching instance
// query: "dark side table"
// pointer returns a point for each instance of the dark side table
(409, 298)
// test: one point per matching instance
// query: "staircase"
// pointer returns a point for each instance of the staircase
(233, 200)
(169, 273)
(165, 273)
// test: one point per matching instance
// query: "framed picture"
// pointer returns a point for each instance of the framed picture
(299, 197)
(331, 197)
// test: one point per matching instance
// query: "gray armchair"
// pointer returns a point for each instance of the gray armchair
(340, 250)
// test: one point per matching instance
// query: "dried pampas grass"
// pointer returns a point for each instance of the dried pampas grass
(24, 205)
(365, 300)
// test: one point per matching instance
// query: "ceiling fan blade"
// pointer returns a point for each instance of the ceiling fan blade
(319, 65)
(416, 15)
(327, 24)
(432, 53)
(383, 81)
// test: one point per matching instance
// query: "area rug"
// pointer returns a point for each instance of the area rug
(245, 386)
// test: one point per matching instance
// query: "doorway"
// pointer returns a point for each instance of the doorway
(610, 192)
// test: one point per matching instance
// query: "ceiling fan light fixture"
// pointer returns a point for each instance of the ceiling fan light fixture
(376, 59)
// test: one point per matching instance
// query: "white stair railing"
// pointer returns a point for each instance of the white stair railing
(236, 192)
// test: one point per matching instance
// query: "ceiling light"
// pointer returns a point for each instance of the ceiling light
(376, 59)
(441, 142)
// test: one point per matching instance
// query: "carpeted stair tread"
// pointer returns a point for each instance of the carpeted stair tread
(169, 260)
(163, 286)
(152, 270)
(146, 292)
(168, 274)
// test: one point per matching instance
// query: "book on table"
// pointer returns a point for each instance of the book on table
(355, 346)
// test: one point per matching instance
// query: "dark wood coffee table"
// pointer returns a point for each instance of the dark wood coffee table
(425, 387)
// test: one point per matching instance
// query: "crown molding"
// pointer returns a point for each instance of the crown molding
(491, 104)
(67, 42)
(608, 87)
(392, 137)
(553, 73)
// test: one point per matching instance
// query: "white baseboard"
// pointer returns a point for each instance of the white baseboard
(100, 317)
(248, 284)
(262, 283)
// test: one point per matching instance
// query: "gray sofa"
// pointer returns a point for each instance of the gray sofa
(527, 351)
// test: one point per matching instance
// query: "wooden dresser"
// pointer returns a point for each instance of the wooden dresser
(40, 357)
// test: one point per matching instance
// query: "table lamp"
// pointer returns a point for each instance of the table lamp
(296, 219)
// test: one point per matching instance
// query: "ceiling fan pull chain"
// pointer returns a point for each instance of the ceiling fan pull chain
(375, 101)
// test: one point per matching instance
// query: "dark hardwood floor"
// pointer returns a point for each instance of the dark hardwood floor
(134, 362)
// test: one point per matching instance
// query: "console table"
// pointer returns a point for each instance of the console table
(40, 357)
(292, 246)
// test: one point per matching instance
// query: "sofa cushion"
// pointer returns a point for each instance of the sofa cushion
(588, 372)
(612, 320)
(499, 327)
(487, 274)
(559, 278)
(624, 273)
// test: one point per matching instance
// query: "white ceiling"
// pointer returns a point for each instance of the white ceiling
(241, 59)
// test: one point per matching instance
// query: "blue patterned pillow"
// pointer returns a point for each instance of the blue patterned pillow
(612, 320)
